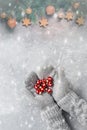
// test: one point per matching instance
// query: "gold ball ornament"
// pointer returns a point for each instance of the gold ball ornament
(61, 15)
(3, 15)
(28, 11)
(11, 23)
(50, 10)
(76, 5)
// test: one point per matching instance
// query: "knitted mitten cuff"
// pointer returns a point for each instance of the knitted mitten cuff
(77, 107)
(53, 116)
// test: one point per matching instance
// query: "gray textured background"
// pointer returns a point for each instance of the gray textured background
(26, 49)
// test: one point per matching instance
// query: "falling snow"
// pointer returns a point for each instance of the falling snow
(25, 49)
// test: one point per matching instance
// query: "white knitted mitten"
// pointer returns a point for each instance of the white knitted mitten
(50, 111)
(61, 85)
(68, 100)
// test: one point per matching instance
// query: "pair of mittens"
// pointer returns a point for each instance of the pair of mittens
(50, 112)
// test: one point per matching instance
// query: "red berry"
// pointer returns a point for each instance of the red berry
(49, 91)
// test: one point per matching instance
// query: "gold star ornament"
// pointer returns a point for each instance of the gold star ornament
(69, 16)
(80, 21)
(26, 22)
(43, 22)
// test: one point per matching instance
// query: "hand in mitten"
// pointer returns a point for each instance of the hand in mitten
(43, 100)
(50, 111)
(68, 100)
(61, 85)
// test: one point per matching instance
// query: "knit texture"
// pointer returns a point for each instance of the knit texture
(77, 107)
(31, 80)
(53, 116)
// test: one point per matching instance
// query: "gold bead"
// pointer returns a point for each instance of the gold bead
(3, 15)
(50, 10)
(11, 23)
(28, 11)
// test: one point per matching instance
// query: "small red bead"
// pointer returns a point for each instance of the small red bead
(50, 78)
(40, 86)
(50, 84)
(35, 86)
(42, 89)
(44, 85)
(46, 89)
(49, 91)
(38, 91)
(43, 80)
(38, 82)
(47, 80)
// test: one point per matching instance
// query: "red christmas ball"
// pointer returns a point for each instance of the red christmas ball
(50, 78)
(42, 89)
(49, 91)
(43, 81)
(36, 86)
(38, 82)
(50, 84)
(38, 91)
(47, 81)
(44, 85)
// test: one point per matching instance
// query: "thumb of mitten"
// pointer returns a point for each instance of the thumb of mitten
(61, 85)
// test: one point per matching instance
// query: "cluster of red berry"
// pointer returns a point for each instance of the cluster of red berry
(44, 85)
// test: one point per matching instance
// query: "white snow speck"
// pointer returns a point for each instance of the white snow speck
(79, 73)
(9, 4)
